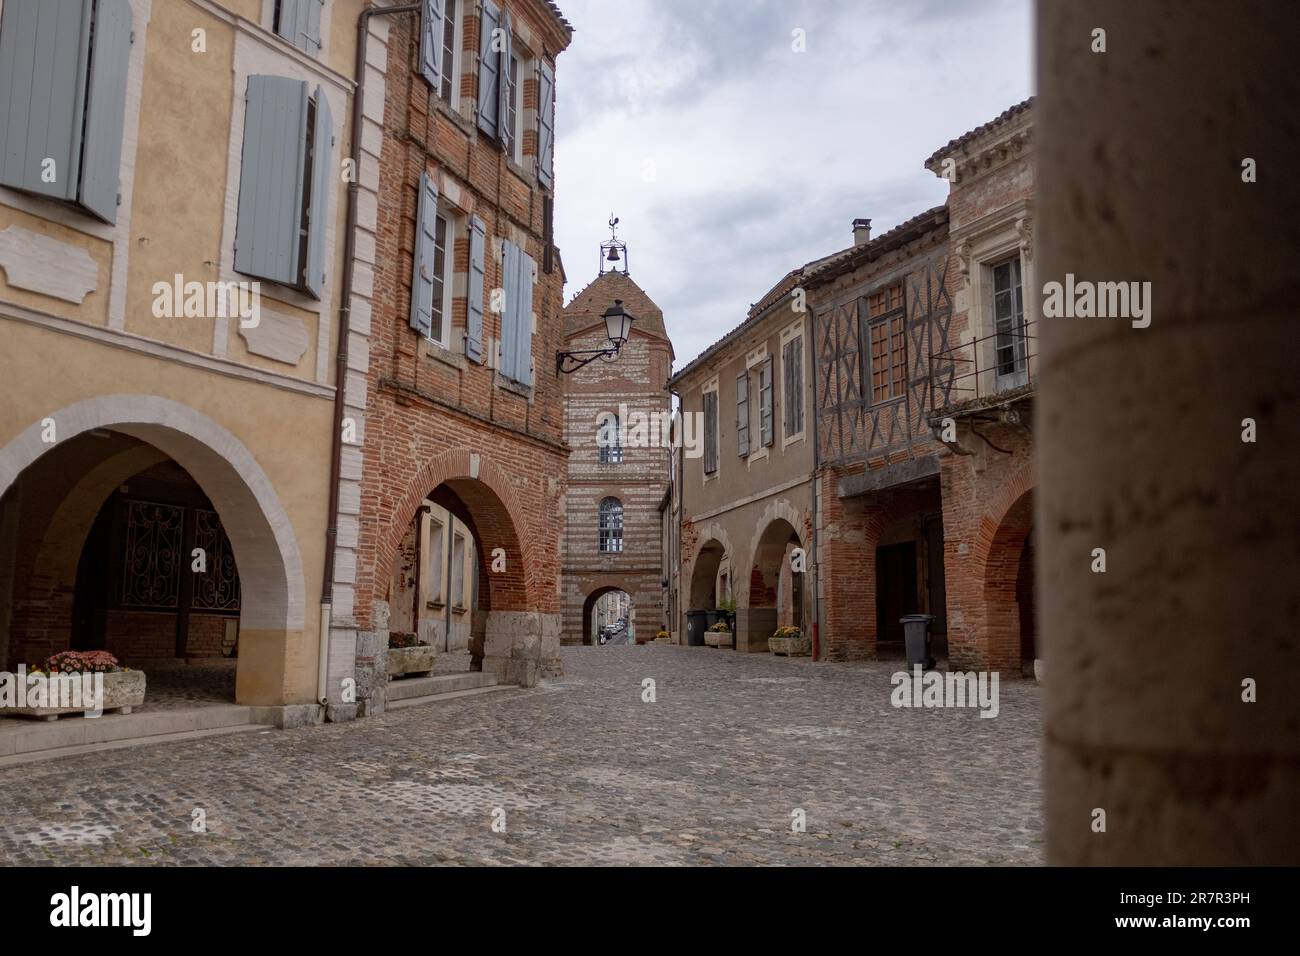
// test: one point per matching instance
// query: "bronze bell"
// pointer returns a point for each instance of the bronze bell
(613, 254)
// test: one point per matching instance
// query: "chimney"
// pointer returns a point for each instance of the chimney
(861, 231)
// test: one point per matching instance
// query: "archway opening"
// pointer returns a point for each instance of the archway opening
(112, 543)
(608, 617)
(456, 583)
(909, 571)
(710, 589)
(1009, 590)
(777, 589)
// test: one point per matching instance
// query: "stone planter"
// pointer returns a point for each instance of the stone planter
(123, 690)
(717, 638)
(403, 661)
(790, 646)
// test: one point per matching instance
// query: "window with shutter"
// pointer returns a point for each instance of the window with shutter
(474, 294)
(887, 343)
(545, 123)
(792, 380)
(710, 432)
(517, 320)
(432, 51)
(765, 402)
(284, 184)
(425, 275)
(489, 68)
(63, 72)
(742, 414)
(298, 21)
(506, 87)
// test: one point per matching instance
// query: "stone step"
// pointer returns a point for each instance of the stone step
(20, 736)
(409, 687)
(497, 689)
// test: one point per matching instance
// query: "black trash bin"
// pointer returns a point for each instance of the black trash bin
(697, 622)
(916, 638)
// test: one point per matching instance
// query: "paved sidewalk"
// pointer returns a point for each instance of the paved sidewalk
(584, 771)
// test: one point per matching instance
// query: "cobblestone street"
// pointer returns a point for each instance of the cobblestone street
(584, 771)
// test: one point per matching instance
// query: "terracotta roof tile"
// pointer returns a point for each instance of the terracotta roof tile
(1002, 118)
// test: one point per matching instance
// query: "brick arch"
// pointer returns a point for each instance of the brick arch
(261, 534)
(495, 518)
(999, 631)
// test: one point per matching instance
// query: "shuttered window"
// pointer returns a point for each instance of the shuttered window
(433, 54)
(792, 381)
(513, 146)
(63, 71)
(765, 402)
(710, 432)
(298, 21)
(431, 262)
(284, 184)
(545, 124)
(474, 294)
(489, 69)
(518, 269)
(742, 414)
(506, 87)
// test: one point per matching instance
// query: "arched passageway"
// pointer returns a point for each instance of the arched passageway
(608, 607)
(776, 587)
(1008, 628)
(136, 525)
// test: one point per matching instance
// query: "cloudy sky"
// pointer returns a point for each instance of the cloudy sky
(731, 159)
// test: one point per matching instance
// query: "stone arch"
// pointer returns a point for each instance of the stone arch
(713, 545)
(772, 531)
(594, 594)
(260, 532)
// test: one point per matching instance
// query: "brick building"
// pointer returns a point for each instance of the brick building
(922, 359)
(924, 464)
(452, 391)
(619, 465)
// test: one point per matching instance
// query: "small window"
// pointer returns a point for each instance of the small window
(437, 558)
(440, 309)
(611, 526)
(513, 112)
(1009, 320)
(608, 440)
(298, 21)
(458, 571)
(888, 343)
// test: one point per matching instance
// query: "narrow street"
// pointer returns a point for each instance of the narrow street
(586, 773)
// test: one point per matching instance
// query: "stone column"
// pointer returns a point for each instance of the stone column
(1140, 172)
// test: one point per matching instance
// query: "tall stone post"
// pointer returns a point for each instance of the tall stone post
(1141, 152)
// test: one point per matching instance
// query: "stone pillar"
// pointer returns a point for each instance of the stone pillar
(1140, 170)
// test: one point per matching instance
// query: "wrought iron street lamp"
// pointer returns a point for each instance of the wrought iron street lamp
(618, 324)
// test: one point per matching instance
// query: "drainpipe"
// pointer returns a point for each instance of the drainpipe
(345, 325)
(817, 572)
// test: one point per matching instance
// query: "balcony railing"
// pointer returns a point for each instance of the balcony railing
(987, 366)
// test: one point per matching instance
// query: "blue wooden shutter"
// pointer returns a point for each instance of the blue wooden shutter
(522, 299)
(110, 59)
(489, 70)
(322, 152)
(765, 402)
(545, 124)
(422, 275)
(742, 414)
(44, 59)
(474, 294)
(299, 23)
(505, 89)
(431, 28)
(267, 229)
(509, 365)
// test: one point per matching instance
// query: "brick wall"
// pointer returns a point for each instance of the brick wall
(431, 416)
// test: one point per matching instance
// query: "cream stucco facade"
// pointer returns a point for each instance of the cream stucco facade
(93, 370)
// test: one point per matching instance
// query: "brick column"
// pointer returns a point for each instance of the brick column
(1140, 152)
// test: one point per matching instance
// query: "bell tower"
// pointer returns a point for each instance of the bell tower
(613, 250)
